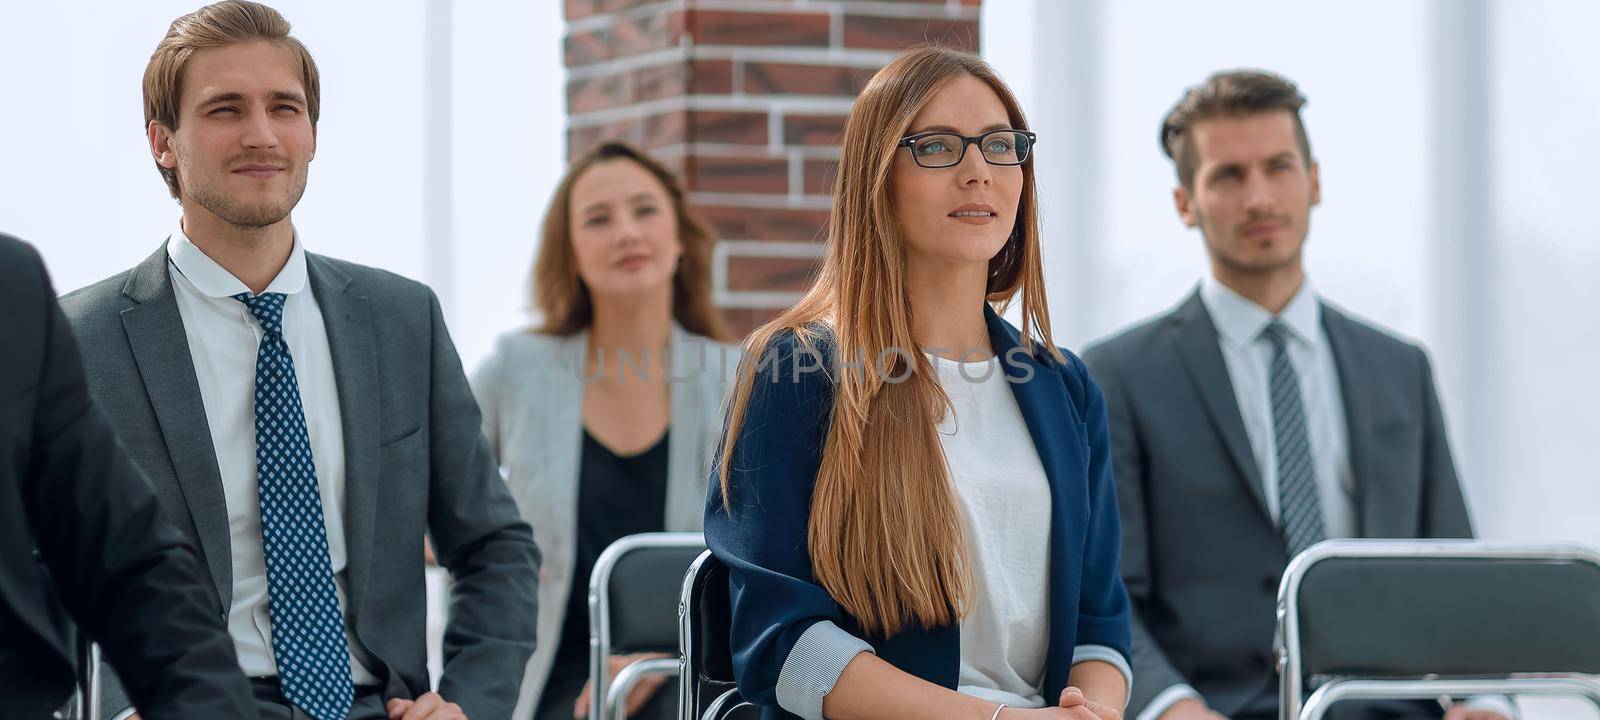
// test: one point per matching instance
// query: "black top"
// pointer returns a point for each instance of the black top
(618, 496)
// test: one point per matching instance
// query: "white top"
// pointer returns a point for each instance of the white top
(1005, 501)
(1248, 356)
(223, 340)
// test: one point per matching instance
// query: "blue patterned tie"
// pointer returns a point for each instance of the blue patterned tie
(1299, 509)
(308, 639)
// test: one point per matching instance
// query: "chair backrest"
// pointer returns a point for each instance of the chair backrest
(1379, 609)
(632, 604)
(704, 614)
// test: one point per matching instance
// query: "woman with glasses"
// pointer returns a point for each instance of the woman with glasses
(603, 419)
(914, 498)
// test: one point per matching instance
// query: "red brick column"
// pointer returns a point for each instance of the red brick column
(746, 99)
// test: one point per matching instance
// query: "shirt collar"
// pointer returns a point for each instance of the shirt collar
(212, 280)
(1240, 320)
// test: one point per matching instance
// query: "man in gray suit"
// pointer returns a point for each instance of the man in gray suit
(1256, 419)
(304, 420)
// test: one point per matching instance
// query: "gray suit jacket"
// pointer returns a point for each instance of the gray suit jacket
(531, 392)
(416, 463)
(1202, 557)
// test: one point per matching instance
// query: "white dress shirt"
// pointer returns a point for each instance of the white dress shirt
(1248, 356)
(223, 341)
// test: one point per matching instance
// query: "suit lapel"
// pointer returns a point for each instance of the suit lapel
(161, 352)
(347, 316)
(1196, 339)
(687, 443)
(1360, 416)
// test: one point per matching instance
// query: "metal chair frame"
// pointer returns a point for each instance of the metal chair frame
(689, 652)
(608, 696)
(1291, 682)
(724, 706)
(85, 701)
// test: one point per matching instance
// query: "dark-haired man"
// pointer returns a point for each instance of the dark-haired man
(1257, 419)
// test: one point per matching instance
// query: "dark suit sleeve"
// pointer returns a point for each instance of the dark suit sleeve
(1444, 509)
(1152, 671)
(484, 543)
(1103, 610)
(761, 532)
(123, 572)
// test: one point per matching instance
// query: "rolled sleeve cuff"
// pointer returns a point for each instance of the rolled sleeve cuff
(1166, 699)
(813, 668)
(1085, 653)
(124, 715)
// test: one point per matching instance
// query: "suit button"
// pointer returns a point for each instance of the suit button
(37, 556)
(1269, 583)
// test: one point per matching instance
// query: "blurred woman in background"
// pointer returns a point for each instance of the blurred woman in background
(604, 416)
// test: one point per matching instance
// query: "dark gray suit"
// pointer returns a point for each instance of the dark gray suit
(415, 462)
(1202, 556)
(84, 546)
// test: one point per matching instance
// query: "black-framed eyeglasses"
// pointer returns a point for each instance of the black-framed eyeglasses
(940, 149)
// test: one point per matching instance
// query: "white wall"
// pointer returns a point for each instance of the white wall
(510, 150)
(1544, 391)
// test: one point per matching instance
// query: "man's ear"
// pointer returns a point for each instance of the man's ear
(161, 145)
(1182, 201)
(1316, 184)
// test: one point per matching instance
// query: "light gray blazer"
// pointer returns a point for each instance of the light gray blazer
(415, 463)
(531, 392)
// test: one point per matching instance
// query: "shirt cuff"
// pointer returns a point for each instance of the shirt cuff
(125, 714)
(1085, 653)
(1167, 699)
(813, 667)
(1494, 703)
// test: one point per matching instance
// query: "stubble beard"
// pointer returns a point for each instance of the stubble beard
(244, 215)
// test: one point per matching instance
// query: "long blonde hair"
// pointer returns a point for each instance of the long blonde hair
(885, 534)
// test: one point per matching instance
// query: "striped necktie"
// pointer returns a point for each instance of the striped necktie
(1299, 509)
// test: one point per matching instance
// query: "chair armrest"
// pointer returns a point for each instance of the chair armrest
(616, 706)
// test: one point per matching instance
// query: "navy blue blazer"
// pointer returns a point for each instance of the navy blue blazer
(774, 467)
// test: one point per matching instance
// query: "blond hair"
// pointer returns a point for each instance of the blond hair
(216, 25)
(885, 533)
